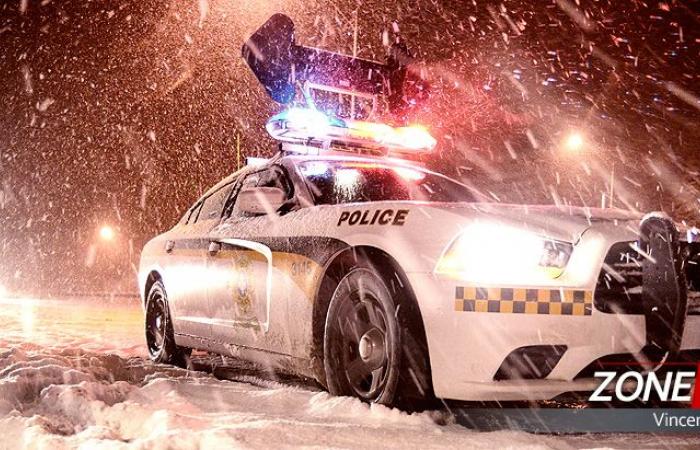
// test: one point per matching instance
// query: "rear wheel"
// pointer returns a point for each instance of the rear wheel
(160, 337)
(362, 339)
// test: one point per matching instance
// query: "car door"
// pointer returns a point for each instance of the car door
(186, 275)
(245, 307)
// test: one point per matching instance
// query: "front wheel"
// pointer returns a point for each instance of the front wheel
(362, 339)
(160, 337)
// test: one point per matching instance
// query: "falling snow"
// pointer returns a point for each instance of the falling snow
(125, 114)
(160, 85)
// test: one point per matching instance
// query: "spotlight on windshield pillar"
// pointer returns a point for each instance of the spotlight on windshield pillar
(574, 142)
(107, 233)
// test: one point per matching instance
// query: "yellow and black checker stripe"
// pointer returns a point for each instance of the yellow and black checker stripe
(566, 302)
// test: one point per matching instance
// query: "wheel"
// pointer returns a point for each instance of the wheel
(160, 337)
(665, 296)
(362, 339)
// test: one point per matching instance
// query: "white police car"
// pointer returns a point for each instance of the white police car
(389, 282)
(384, 280)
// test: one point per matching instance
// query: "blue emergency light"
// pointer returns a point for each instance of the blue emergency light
(313, 127)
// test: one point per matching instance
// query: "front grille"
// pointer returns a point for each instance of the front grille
(619, 288)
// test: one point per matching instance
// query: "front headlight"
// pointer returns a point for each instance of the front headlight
(490, 253)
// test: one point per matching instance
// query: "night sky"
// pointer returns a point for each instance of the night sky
(124, 112)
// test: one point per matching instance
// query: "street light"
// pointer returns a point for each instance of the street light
(107, 233)
(574, 142)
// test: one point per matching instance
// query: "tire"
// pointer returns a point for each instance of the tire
(362, 339)
(160, 338)
(665, 296)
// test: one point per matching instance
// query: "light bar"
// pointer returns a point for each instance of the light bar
(309, 126)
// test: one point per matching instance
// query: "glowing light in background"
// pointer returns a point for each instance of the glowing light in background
(409, 174)
(347, 178)
(107, 233)
(22, 312)
(346, 182)
(314, 168)
(574, 142)
(3, 290)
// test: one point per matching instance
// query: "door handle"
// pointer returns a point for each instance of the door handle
(169, 246)
(214, 248)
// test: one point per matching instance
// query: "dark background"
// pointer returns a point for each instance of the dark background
(124, 112)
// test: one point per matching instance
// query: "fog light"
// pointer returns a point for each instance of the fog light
(533, 362)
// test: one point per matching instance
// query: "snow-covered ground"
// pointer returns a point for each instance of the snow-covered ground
(73, 374)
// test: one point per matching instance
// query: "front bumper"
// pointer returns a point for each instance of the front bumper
(469, 341)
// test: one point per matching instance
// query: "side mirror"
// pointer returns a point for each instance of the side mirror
(257, 201)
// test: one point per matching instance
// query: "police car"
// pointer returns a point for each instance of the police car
(344, 260)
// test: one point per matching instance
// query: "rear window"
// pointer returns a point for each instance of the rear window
(336, 182)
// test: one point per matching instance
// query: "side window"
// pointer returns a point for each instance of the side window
(272, 177)
(213, 205)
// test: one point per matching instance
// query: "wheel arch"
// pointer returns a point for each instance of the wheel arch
(409, 310)
(151, 279)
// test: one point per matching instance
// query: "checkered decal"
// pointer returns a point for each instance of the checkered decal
(567, 302)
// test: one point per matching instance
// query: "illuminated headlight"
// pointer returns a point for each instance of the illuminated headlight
(491, 253)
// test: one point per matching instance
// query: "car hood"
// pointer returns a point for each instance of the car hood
(565, 223)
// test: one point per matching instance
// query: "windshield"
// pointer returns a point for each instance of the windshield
(335, 182)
